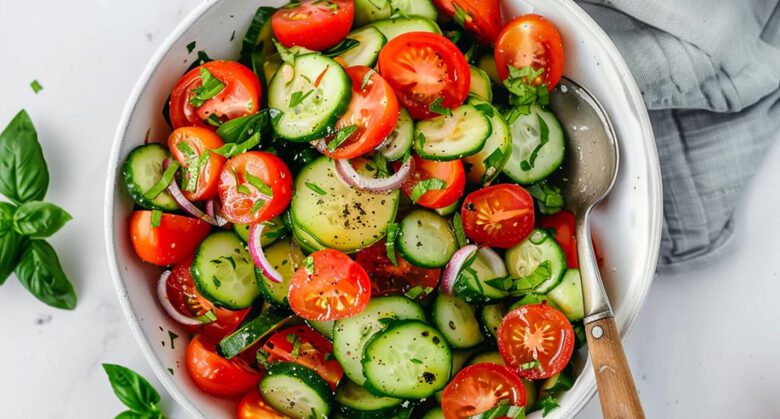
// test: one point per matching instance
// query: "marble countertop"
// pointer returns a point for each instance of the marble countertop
(705, 345)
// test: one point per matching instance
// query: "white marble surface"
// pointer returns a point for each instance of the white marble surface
(706, 344)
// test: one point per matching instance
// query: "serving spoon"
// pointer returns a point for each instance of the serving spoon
(586, 178)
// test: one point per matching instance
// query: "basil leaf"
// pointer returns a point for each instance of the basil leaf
(426, 185)
(10, 242)
(298, 97)
(6, 217)
(548, 197)
(129, 414)
(23, 173)
(230, 150)
(156, 218)
(457, 227)
(210, 87)
(461, 16)
(546, 404)
(437, 107)
(341, 135)
(38, 220)
(133, 390)
(239, 130)
(40, 272)
(259, 184)
(392, 232)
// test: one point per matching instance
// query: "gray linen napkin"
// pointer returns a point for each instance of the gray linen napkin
(709, 71)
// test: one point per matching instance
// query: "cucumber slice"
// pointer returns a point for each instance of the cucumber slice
(355, 397)
(435, 413)
(257, 46)
(568, 295)
(273, 231)
(322, 326)
(481, 84)
(457, 321)
(252, 332)
(490, 357)
(425, 239)
(491, 316)
(487, 164)
(285, 259)
(142, 170)
(533, 159)
(399, 142)
(391, 28)
(409, 359)
(538, 261)
(367, 11)
(487, 63)
(308, 243)
(224, 272)
(448, 210)
(533, 299)
(471, 284)
(366, 53)
(344, 218)
(296, 391)
(422, 8)
(451, 137)
(351, 335)
(318, 108)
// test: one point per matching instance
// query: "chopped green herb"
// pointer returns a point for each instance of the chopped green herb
(437, 107)
(298, 97)
(214, 121)
(523, 285)
(425, 186)
(210, 87)
(548, 197)
(416, 361)
(286, 55)
(292, 338)
(156, 218)
(165, 180)
(244, 190)
(341, 135)
(36, 86)
(186, 149)
(233, 35)
(421, 139)
(172, 336)
(523, 92)
(191, 46)
(262, 358)
(170, 370)
(366, 79)
(502, 410)
(259, 184)
(381, 164)
(544, 138)
(230, 150)
(492, 164)
(392, 233)
(546, 404)
(457, 227)
(454, 36)
(216, 281)
(416, 292)
(315, 188)
(308, 263)
(485, 109)
(532, 365)
(461, 16)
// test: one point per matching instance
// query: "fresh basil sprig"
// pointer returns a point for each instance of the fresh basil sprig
(134, 392)
(24, 223)
(503, 410)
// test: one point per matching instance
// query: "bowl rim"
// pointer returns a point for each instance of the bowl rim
(654, 190)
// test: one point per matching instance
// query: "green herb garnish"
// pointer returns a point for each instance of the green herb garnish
(437, 107)
(36, 86)
(210, 87)
(457, 228)
(548, 197)
(298, 97)
(392, 233)
(292, 338)
(427, 185)
(156, 218)
(341, 135)
(315, 188)
(259, 184)
(165, 180)
(544, 138)
(191, 46)
(366, 79)
(461, 16)
(308, 264)
(492, 164)
(134, 392)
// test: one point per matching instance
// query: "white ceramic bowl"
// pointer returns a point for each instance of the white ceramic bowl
(629, 220)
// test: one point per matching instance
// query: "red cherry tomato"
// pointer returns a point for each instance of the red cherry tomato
(187, 146)
(313, 24)
(563, 223)
(479, 388)
(531, 40)
(388, 279)
(240, 96)
(330, 286)
(373, 110)
(482, 17)
(254, 187)
(254, 406)
(423, 67)
(175, 239)
(216, 375)
(314, 351)
(451, 172)
(536, 332)
(499, 215)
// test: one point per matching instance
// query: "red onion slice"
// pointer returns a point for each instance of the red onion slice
(184, 203)
(351, 177)
(454, 267)
(213, 211)
(258, 257)
(165, 302)
(494, 261)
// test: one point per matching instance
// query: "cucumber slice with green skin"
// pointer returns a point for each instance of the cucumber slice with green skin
(351, 335)
(257, 46)
(296, 391)
(533, 159)
(399, 142)
(408, 359)
(318, 108)
(490, 357)
(366, 53)
(533, 299)
(273, 231)
(435, 413)
(452, 137)
(324, 327)
(481, 84)
(425, 239)
(285, 259)
(422, 8)
(338, 216)
(252, 332)
(487, 63)
(355, 397)
(491, 316)
(487, 164)
(224, 272)
(403, 411)
(367, 11)
(568, 295)
(142, 170)
(391, 28)
(526, 261)
(449, 210)
(471, 284)
(457, 321)
(308, 243)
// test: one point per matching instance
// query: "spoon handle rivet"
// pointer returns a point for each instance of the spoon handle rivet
(597, 332)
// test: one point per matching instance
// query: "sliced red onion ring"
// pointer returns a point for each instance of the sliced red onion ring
(185, 204)
(493, 260)
(165, 302)
(213, 211)
(351, 177)
(454, 267)
(258, 257)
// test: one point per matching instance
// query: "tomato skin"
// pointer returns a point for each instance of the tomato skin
(536, 332)
(337, 287)
(374, 110)
(564, 224)
(312, 352)
(423, 67)
(451, 172)
(313, 24)
(240, 97)
(499, 215)
(175, 239)
(199, 140)
(480, 387)
(388, 279)
(216, 375)
(485, 16)
(531, 40)
(271, 170)
(254, 406)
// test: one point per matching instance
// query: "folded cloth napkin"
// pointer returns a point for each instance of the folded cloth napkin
(709, 71)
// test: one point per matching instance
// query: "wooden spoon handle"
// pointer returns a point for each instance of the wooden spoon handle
(617, 392)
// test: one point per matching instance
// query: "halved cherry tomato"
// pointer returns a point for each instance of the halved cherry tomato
(482, 17)
(330, 286)
(254, 406)
(563, 223)
(373, 110)
(254, 187)
(313, 24)
(216, 375)
(240, 96)
(171, 242)
(451, 172)
(499, 215)
(531, 40)
(314, 351)
(187, 145)
(479, 388)
(536, 332)
(388, 279)
(423, 67)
